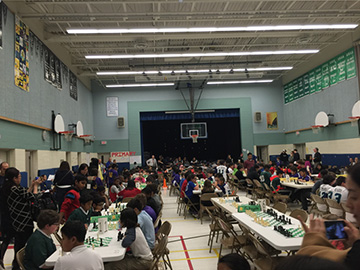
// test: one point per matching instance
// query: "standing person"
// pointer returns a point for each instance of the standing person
(296, 155)
(221, 168)
(111, 175)
(284, 158)
(102, 167)
(16, 200)
(317, 155)
(229, 159)
(63, 181)
(249, 163)
(108, 163)
(3, 167)
(151, 162)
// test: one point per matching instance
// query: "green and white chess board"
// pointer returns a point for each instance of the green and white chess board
(105, 241)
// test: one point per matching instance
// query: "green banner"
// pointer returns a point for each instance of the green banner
(306, 90)
(336, 70)
(350, 64)
(341, 66)
(312, 81)
(325, 82)
(318, 76)
(334, 76)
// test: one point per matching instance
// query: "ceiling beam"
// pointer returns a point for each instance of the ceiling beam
(57, 2)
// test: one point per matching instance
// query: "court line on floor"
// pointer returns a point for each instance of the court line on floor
(186, 253)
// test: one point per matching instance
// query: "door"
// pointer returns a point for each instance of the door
(263, 153)
(301, 150)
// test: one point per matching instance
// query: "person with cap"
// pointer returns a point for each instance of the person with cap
(317, 155)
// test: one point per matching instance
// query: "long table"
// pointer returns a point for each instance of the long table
(298, 186)
(113, 252)
(272, 237)
(198, 191)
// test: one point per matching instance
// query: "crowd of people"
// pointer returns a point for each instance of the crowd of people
(81, 195)
(77, 197)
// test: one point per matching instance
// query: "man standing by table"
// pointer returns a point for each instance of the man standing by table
(249, 163)
(151, 162)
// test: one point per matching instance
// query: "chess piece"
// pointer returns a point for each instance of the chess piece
(98, 233)
(93, 246)
(101, 242)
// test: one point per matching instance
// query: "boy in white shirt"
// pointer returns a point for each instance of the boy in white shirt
(340, 191)
(80, 257)
(326, 189)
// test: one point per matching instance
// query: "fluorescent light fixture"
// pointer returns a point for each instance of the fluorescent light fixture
(174, 72)
(138, 85)
(197, 111)
(237, 82)
(213, 29)
(172, 55)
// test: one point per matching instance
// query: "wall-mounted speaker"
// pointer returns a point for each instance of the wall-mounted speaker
(121, 122)
(257, 117)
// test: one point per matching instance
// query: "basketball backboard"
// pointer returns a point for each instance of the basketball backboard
(188, 129)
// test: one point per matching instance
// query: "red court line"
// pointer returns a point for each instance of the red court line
(185, 251)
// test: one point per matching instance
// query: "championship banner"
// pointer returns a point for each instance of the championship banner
(52, 69)
(21, 55)
(73, 85)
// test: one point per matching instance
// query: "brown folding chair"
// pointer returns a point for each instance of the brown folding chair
(164, 230)
(259, 189)
(319, 207)
(230, 238)
(250, 187)
(20, 258)
(189, 204)
(335, 208)
(299, 212)
(206, 198)
(281, 207)
(214, 229)
(158, 252)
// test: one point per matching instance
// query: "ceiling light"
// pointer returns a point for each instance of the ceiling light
(206, 54)
(172, 72)
(237, 82)
(213, 29)
(138, 85)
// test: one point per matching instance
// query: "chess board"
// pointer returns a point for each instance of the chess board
(268, 218)
(296, 232)
(105, 240)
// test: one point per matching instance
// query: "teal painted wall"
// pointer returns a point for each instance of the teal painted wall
(35, 106)
(15, 136)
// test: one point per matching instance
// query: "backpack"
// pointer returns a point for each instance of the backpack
(43, 201)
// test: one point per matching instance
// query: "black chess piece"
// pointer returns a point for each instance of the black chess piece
(290, 221)
(101, 243)
(94, 225)
(120, 236)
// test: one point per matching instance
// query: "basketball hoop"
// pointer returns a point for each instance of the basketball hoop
(87, 138)
(316, 128)
(68, 135)
(194, 138)
(354, 120)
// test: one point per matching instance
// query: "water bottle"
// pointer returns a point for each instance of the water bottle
(287, 178)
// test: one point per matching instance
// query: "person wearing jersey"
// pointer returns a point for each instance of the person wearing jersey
(326, 189)
(112, 174)
(275, 180)
(221, 168)
(340, 191)
(265, 175)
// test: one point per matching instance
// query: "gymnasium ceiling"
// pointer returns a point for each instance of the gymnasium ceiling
(49, 20)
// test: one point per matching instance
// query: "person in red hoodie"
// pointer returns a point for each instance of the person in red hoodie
(72, 198)
(189, 178)
(130, 190)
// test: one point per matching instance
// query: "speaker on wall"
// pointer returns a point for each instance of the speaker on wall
(121, 122)
(257, 117)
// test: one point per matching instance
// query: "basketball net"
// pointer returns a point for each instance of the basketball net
(194, 138)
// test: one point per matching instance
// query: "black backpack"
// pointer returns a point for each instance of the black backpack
(43, 201)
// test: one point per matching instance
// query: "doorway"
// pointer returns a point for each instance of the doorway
(301, 148)
(263, 153)
(31, 165)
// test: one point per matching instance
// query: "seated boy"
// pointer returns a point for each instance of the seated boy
(101, 192)
(83, 213)
(80, 257)
(98, 205)
(72, 198)
(144, 220)
(304, 177)
(40, 245)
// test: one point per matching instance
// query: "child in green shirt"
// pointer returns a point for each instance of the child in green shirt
(83, 213)
(40, 245)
